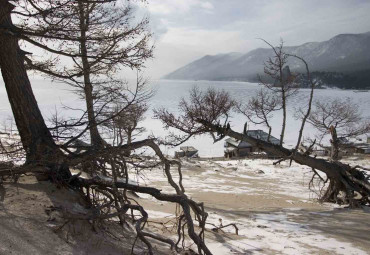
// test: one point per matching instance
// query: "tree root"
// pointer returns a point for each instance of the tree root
(181, 199)
(106, 190)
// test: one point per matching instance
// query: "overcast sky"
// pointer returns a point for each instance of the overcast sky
(186, 30)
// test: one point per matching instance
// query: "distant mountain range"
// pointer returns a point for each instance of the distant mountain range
(344, 54)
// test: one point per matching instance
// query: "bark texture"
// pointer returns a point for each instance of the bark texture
(36, 139)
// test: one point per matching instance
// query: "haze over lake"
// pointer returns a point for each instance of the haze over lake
(51, 96)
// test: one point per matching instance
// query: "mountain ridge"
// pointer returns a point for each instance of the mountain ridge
(344, 53)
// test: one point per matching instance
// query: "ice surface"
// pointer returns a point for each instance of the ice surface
(53, 96)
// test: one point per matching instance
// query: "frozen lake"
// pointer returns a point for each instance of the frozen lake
(52, 96)
(169, 92)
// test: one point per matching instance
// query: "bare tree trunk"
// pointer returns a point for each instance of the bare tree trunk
(95, 137)
(334, 152)
(306, 116)
(129, 141)
(269, 136)
(268, 126)
(284, 118)
(129, 136)
(36, 139)
(30, 123)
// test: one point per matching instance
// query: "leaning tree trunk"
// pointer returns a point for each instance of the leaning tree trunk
(342, 177)
(36, 139)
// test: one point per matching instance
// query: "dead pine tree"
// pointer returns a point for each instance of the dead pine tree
(341, 119)
(203, 112)
(279, 79)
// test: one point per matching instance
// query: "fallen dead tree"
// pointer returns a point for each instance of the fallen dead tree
(341, 177)
(203, 113)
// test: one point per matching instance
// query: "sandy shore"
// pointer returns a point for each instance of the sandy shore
(272, 206)
(31, 223)
(274, 209)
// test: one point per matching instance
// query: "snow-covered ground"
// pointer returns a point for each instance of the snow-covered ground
(273, 208)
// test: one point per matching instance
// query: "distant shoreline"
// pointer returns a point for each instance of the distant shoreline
(257, 84)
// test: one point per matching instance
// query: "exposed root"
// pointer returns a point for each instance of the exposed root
(349, 186)
(217, 228)
(181, 199)
(106, 191)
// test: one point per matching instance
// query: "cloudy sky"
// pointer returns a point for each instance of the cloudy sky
(189, 29)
